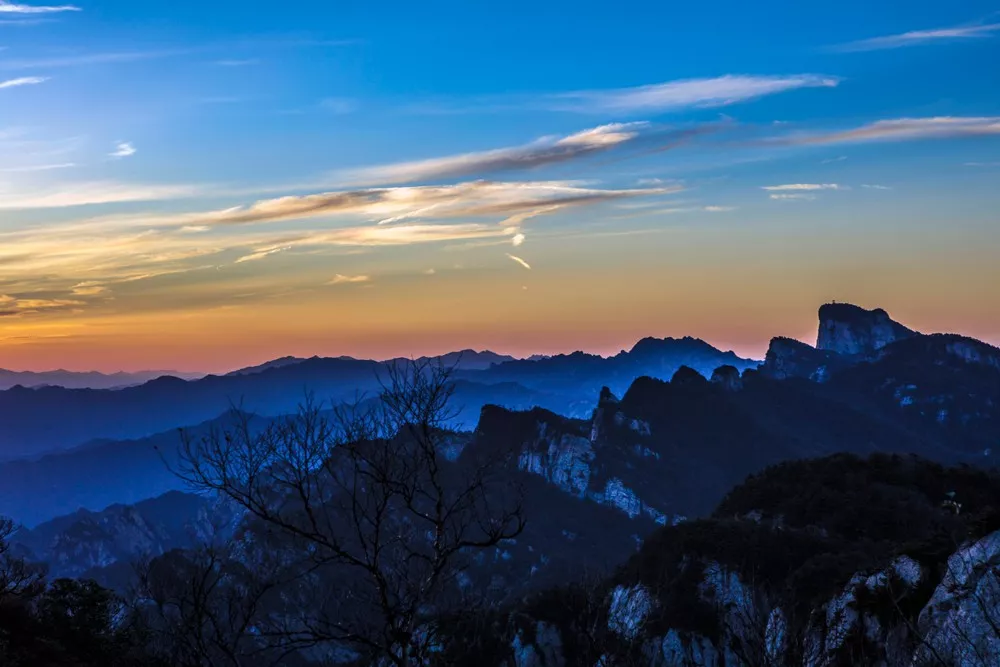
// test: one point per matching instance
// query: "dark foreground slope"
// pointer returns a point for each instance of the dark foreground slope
(840, 560)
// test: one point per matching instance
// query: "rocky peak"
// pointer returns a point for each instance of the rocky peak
(787, 358)
(848, 329)
(727, 377)
(688, 377)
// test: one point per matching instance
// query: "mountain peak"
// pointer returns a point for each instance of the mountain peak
(848, 329)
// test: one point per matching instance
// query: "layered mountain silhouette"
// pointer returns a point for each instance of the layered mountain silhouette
(566, 384)
(85, 380)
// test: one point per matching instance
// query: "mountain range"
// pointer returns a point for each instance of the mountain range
(669, 472)
(566, 384)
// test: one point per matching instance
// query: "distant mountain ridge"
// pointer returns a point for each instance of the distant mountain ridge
(567, 384)
(83, 380)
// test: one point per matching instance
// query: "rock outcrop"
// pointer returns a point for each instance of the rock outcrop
(789, 358)
(727, 377)
(851, 330)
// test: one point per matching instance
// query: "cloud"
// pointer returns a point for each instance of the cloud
(918, 37)
(714, 92)
(875, 187)
(545, 151)
(87, 59)
(393, 205)
(38, 167)
(900, 129)
(89, 288)
(982, 164)
(834, 159)
(803, 186)
(718, 209)
(340, 279)
(123, 149)
(13, 8)
(237, 63)
(430, 272)
(517, 239)
(65, 195)
(261, 254)
(653, 98)
(792, 197)
(519, 261)
(23, 81)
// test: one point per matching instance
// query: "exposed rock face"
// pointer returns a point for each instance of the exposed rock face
(959, 623)
(83, 541)
(788, 358)
(561, 458)
(851, 330)
(727, 377)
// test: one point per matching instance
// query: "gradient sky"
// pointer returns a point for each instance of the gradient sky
(203, 185)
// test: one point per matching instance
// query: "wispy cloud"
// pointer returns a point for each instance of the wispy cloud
(14, 8)
(519, 261)
(23, 81)
(653, 98)
(261, 254)
(792, 197)
(393, 205)
(982, 164)
(86, 59)
(341, 279)
(870, 186)
(840, 158)
(38, 167)
(246, 62)
(718, 209)
(900, 129)
(123, 149)
(803, 186)
(544, 151)
(714, 92)
(64, 195)
(918, 37)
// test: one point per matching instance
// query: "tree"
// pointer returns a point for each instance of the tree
(364, 508)
(17, 576)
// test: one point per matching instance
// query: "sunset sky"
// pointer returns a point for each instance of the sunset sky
(201, 185)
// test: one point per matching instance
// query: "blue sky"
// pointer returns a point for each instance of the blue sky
(203, 163)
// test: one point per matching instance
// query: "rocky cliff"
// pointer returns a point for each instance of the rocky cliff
(848, 329)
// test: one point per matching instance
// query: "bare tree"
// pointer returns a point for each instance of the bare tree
(17, 576)
(379, 527)
(200, 608)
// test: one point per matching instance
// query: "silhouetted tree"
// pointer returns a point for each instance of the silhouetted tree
(366, 510)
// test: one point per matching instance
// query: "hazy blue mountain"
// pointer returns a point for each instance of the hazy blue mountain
(567, 384)
(83, 380)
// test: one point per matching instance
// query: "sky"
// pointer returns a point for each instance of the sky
(199, 186)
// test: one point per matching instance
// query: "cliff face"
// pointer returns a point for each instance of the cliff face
(788, 358)
(852, 330)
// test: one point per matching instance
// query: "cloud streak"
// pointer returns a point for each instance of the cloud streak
(792, 197)
(667, 96)
(803, 186)
(23, 81)
(919, 37)
(542, 152)
(393, 205)
(519, 261)
(341, 279)
(14, 8)
(672, 95)
(123, 149)
(900, 129)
